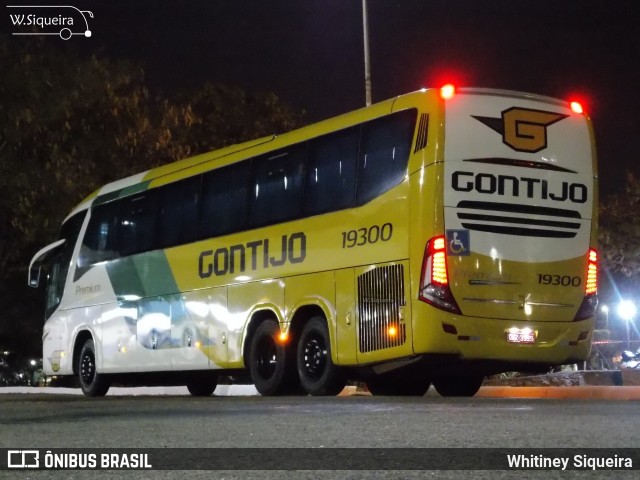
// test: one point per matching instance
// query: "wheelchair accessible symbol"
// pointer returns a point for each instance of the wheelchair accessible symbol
(458, 242)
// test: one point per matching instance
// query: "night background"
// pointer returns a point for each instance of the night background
(309, 53)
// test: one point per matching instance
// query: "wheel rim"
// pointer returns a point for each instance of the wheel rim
(315, 357)
(87, 368)
(266, 359)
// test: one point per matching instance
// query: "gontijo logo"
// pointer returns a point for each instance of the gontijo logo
(523, 129)
(62, 20)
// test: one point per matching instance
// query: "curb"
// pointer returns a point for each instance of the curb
(573, 392)
(589, 392)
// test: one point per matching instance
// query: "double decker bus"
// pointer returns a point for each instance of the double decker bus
(430, 239)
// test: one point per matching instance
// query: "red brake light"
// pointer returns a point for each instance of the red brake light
(438, 270)
(447, 91)
(590, 302)
(434, 283)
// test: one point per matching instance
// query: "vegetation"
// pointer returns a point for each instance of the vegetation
(70, 124)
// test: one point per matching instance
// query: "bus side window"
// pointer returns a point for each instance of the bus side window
(137, 224)
(224, 202)
(384, 153)
(178, 220)
(55, 286)
(276, 195)
(331, 172)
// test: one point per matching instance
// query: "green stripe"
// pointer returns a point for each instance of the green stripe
(124, 192)
(144, 275)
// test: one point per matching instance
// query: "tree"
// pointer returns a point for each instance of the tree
(620, 232)
(66, 125)
(619, 243)
(70, 124)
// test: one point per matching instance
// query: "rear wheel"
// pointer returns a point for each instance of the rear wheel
(92, 383)
(399, 382)
(271, 364)
(202, 385)
(318, 374)
(459, 385)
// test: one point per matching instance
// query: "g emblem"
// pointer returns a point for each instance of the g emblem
(523, 129)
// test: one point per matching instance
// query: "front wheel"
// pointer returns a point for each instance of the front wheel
(318, 374)
(92, 383)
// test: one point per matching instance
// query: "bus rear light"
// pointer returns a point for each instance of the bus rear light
(438, 268)
(576, 107)
(434, 282)
(592, 273)
(590, 302)
(447, 91)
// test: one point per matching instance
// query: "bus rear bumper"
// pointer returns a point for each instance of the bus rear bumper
(518, 342)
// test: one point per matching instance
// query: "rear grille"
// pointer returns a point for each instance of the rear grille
(521, 220)
(380, 296)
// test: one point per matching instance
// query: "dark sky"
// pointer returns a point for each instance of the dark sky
(309, 52)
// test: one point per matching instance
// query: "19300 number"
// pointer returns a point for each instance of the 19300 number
(559, 280)
(365, 236)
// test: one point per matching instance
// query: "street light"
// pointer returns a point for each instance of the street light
(627, 310)
(367, 66)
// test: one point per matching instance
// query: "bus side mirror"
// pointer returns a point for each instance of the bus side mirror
(34, 276)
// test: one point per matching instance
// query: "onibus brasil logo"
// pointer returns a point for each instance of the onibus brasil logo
(64, 21)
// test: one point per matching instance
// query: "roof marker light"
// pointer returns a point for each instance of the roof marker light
(576, 107)
(447, 91)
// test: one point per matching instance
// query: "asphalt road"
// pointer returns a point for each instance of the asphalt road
(69, 421)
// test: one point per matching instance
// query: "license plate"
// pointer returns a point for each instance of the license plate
(521, 335)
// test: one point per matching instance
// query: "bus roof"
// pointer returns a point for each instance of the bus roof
(232, 153)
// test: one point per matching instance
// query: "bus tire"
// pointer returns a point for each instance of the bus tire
(459, 386)
(271, 364)
(399, 383)
(92, 383)
(202, 385)
(318, 374)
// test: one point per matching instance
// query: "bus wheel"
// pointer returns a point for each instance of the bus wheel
(202, 385)
(92, 383)
(399, 383)
(318, 374)
(459, 386)
(271, 364)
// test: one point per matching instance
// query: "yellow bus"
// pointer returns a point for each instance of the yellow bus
(434, 238)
